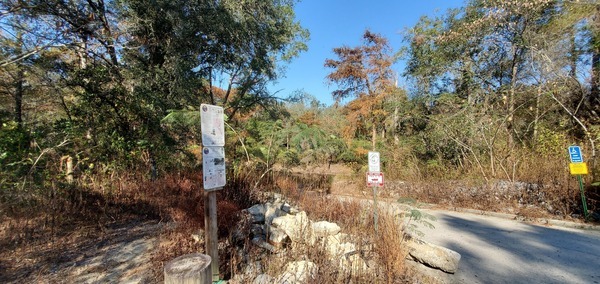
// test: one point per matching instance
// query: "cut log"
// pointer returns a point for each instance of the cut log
(193, 268)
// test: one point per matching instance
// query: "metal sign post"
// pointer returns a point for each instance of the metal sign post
(375, 216)
(578, 167)
(583, 201)
(213, 176)
(374, 179)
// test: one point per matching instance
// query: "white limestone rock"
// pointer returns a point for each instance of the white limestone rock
(434, 256)
(325, 229)
(298, 272)
(297, 227)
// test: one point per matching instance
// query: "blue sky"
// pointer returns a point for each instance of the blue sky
(335, 23)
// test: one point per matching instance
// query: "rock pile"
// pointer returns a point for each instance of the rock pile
(276, 227)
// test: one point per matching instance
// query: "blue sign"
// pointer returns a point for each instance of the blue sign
(575, 154)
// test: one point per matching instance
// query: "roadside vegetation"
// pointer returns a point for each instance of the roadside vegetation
(100, 124)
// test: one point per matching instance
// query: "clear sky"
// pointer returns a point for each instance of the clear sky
(335, 23)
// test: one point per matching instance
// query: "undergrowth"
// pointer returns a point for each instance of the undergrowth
(57, 214)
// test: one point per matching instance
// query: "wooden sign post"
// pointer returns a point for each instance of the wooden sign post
(213, 176)
(211, 229)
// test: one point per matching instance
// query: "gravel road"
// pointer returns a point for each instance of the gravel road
(501, 250)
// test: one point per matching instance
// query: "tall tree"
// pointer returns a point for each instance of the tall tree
(594, 100)
(365, 74)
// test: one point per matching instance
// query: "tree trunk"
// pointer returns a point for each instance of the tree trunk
(511, 105)
(81, 47)
(19, 84)
(110, 41)
(594, 99)
(374, 135)
(19, 90)
(395, 125)
(69, 172)
(190, 268)
(516, 57)
(573, 54)
(537, 115)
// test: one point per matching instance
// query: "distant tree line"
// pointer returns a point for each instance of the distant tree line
(496, 87)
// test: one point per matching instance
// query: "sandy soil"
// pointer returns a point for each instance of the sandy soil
(118, 253)
(343, 183)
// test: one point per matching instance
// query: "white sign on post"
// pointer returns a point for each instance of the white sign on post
(213, 140)
(212, 125)
(213, 167)
(374, 162)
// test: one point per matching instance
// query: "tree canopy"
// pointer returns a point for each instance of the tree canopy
(108, 72)
(365, 74)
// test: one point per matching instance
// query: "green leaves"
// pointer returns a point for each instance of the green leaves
(414, 215)
(186, 118)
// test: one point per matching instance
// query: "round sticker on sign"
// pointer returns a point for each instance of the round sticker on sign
(374, 162)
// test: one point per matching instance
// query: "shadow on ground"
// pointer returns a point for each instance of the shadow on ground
(505, 251)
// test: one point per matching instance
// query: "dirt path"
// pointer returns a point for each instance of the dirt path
(124, 256)
(121, 253)
(343, 182)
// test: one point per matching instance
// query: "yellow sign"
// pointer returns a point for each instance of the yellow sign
(578, 168)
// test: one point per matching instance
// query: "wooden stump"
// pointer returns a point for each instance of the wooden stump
(193, 268)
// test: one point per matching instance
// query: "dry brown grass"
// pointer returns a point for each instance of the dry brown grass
(389, 246)
(529, 184)
(294, 185)
(59, 215)
(384, 250)
(322, 207)
(63, 215)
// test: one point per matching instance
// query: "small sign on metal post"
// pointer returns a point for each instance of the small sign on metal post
(374, 180)
(578, 167)
(374, 165)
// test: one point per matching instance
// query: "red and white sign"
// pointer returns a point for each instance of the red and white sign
(375, 179)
